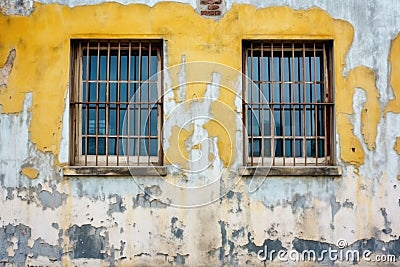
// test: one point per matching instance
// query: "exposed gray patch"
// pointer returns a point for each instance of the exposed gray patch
(229, 258)
(16, 7)
(348, 204)
(176, 229)
(335, 206)
(387, 229)
(298, 202)
(180, 259)
(117, 206)
(10, 195)
(88, 242)
(145, 201)
(54, 225)
(153, 190)
(20, 249)
(8, 65)
(261, 250)
(51, 200)
(41, 248)
(272, 230)
(231, 195)
(238, 233)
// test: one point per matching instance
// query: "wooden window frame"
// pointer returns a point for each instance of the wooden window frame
(282, 46)
(77, 157)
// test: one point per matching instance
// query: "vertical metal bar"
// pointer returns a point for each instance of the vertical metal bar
(148, 104)
(261, 98)
(87, 103)
(273, 104)
(326, 100)
(118, 98)
(139, 100)
(107, 99)
(315, 107)
(160, 109)
(251, 105)
(282, 109)
(304, 106)
(128, 105)
(292, 110)
(97, 103)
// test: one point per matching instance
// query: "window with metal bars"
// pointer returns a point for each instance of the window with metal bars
(288, 103)
(116, 102)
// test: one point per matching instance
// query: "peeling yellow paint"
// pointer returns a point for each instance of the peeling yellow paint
(42, 41)
(397, 145)
(30, 172)
(394, 59)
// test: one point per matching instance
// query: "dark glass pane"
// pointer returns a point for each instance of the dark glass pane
(311, 149)
(299, 147)
(153, 121)
(288, 120)
(102, 119)
(321, 147)
(93, 65)
(278, 148)
(102, 92)
(92, 92)
(112, 146)
(113, 65)
(84, 66)
(101, 150)
(113, 92)
(278, 120)
(103, 65)
(255, 147)
(92, 119)
(267, 147)
(84, 119)
(288, 148)
(145, 68)
(124, 66)
(122, 113)
(299, 120)
(91, 146)
(83, 146)
(123, 92)
(112, 117)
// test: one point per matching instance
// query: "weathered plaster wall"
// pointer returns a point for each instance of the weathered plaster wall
(48, 219)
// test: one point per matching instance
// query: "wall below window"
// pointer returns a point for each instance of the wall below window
(51, 219)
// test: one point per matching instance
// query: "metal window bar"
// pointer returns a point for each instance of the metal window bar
(299, 86)
(101, 143)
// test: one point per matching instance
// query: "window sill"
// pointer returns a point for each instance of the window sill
(313, 171)
(74, 171)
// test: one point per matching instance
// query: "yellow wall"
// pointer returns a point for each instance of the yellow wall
(42, 59)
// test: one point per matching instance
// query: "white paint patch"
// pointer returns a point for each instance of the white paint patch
(63, 156)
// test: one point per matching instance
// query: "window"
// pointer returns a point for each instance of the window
(288, 103)
(116, 102)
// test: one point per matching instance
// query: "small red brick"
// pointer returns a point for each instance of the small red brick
(217, 13)
(208, 13)
(217, 1)
(213, 7)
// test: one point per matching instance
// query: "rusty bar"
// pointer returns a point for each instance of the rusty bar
(272, 77)
(148, 105)
(118, 99)
(316, 107)
(129, 100)
(140, 98)
(107, 98)
(304, 106)
(282, 107)
(293, 123)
